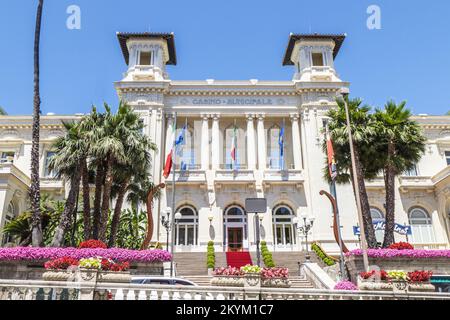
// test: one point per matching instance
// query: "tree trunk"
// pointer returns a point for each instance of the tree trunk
(86, 201)
(105, 199)
(365, 206)
(66, 217)
(35, 196)
(149, 233)
(389, 180)
(100, 176)
(117, 211)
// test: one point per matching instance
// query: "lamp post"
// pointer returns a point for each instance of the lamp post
(172, 244)
(258, 220)
(165, 221)
(345, 93)
(305, 229)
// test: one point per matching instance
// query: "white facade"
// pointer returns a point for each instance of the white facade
(211, 193)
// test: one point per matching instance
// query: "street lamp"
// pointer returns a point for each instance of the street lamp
(305, 229)
(165, 221)
(174, 225)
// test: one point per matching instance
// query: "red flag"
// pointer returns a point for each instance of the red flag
(331, 160)
(168, 166)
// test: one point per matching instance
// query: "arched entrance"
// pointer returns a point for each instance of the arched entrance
(235, 229)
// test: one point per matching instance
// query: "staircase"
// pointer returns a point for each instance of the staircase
(238, 259)
(194, 263)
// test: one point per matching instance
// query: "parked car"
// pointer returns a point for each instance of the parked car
(162, 281)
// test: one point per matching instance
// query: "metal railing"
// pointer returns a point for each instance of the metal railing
(45, 290)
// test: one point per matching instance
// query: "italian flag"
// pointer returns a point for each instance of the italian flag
(168, 166)
(233, 146)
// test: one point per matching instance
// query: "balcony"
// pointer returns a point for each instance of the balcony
(238, 174)
(275, 174)
(8, 170)
(416, 183)
(192, 174)
(52, 184)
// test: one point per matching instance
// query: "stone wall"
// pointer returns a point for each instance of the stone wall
(33, 270)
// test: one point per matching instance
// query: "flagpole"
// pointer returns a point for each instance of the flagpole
(284, 149)
(172, 244)
(338, 222)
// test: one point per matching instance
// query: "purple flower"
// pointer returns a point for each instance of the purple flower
(392, 253)
(30, 253)
(345, 285)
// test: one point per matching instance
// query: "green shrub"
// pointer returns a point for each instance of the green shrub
(266, 255)
(210, 256)
(322, 255)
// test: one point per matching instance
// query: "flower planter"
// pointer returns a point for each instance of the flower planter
(228, 281)
(252, 280)
(113, 277)
(60, 275)
(421, 287)
(275, 283)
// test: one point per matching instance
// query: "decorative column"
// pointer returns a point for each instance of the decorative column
(296, 143)
(251, 158)
(262, 154)
(205, 142)
(215, 143)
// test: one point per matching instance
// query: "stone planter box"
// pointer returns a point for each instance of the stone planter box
(437, 265)
(250, 281)
(87, 275)
(34, 269)
(227, 281)
(396, 286)
(276, 283)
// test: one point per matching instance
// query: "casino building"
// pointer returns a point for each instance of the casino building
(211, 189)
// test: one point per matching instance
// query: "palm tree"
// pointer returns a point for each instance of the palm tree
(67, 163)
(92, 125)
(136, 167)
(400, 145)
(37, 238)
(448, 113)
(3, 111)
(363, 132)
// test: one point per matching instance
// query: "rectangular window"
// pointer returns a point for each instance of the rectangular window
(47, 172)
(7, 157)
(317, 59)
(145, 58)
(413, 172)
(447, 157)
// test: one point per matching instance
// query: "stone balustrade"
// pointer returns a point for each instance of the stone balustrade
(46, 290)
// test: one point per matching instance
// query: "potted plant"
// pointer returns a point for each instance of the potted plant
(375, 281)
(61, 269)
(399, 279)
(275, 277)
(252, 276)
(228, 276)
(420, 281)
(103, 270)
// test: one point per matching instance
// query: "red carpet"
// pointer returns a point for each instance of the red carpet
(238, 259)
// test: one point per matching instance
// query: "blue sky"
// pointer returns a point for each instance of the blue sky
(408, 59)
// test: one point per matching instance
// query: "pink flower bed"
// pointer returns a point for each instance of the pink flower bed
(345, 285)
(268, 273)
(29, 253)
(392, 253)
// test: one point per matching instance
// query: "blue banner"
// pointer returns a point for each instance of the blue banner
(381, 225)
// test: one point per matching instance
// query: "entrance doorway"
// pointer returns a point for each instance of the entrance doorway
(235, 239)
(235, 229)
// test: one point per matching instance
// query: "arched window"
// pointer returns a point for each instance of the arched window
(186, 233)
(283, 226)
(185, 152)
(274, 148)
(235, 138)
(377, 216)
(421, 226)
(10, 215)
